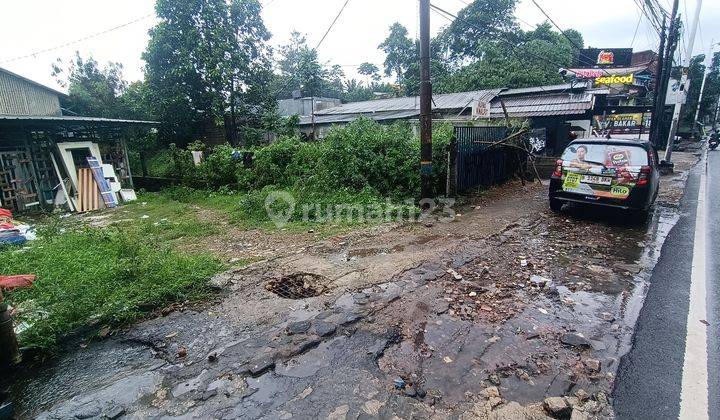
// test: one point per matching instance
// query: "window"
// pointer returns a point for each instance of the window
(608, 155)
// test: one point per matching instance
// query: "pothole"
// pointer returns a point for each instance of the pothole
(298, 285)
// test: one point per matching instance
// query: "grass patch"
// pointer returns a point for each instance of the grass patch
(99, 276)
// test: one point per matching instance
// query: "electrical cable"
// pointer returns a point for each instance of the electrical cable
(572, 42)
(643, 6)
(290, 80)
(331, 25)
(562, 32)
(85, 38)
(636, 30)
(447, 15)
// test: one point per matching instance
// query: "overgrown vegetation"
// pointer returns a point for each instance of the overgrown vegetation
(363, 163)
(101, 277)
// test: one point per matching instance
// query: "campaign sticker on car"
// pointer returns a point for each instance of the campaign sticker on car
(572, 181)
(619, 191)
(596, 179)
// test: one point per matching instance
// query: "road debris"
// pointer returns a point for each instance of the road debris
(448, 314)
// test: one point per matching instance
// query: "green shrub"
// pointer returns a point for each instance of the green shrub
(365, 154)
(219, 168)
(359, 156)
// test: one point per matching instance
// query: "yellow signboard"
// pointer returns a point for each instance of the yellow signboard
(624, 120)
(627, 79)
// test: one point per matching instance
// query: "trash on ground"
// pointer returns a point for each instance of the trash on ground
(13, 232)
(12, 282)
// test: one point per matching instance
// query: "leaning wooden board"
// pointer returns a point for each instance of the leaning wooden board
(88, 197)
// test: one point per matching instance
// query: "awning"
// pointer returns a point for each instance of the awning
(72, 119)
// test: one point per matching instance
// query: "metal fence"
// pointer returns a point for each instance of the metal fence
(475, 163)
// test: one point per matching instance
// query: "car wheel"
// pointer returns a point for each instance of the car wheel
(555, 205)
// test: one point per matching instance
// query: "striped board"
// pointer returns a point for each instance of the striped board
(106, 193)
(88, 194)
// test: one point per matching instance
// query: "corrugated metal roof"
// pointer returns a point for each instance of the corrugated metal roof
(545, 89)
(345, 118)
(33, 82)
(66, 118)
(440, 102)
(543, 105)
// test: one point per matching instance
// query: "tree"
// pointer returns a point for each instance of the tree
(208, 62)
(136, 102)
(478, 23)
(400, 51)
(532, 61)
(712, 90)
(370, 70)
(355, 91)
(301, 69)
(93, 91)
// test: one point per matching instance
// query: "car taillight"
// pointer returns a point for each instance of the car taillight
(558, 169)
(644, 176)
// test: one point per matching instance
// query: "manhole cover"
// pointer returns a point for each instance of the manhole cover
(298, 285)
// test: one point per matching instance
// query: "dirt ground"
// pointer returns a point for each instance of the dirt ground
(509, 311)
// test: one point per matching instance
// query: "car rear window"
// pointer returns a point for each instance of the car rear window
(608, 155)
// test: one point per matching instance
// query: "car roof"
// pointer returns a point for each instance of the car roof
(645, 144)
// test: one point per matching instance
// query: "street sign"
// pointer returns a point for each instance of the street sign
(481, 109)
(675, 93)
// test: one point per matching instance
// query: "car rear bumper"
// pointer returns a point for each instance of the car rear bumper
(639, 198)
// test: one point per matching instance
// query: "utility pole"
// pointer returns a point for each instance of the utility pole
(702, 90)
(697, 109)
(683, 81)
(425, 103)
(658, 98)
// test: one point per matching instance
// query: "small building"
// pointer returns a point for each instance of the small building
(558, 113)
(304, 106)
(628, 79)
(42, 150)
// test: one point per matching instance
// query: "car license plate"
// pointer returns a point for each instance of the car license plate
(596, 179)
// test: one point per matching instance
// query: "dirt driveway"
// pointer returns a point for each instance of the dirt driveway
(509, 311)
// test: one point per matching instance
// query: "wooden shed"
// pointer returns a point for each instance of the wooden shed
(42, 150)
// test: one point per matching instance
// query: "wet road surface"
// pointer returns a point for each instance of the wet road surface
(672, 368)
(488, 327)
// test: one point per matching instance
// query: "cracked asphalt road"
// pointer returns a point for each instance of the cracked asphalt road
(483, 317)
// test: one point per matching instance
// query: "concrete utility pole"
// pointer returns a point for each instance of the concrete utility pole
(702, 90)
(425, 103)
(697, 108)
(683, 82)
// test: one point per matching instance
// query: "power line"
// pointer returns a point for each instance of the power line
(562, 32)
(510, 43)
(290, 79)
(636, 30)
(332, 24)
(85, 38)
(447, 15)
(572, 42)
(643, 6)
(527, 23)
(450, 17)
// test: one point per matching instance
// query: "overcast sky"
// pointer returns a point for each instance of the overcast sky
(31, 26)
